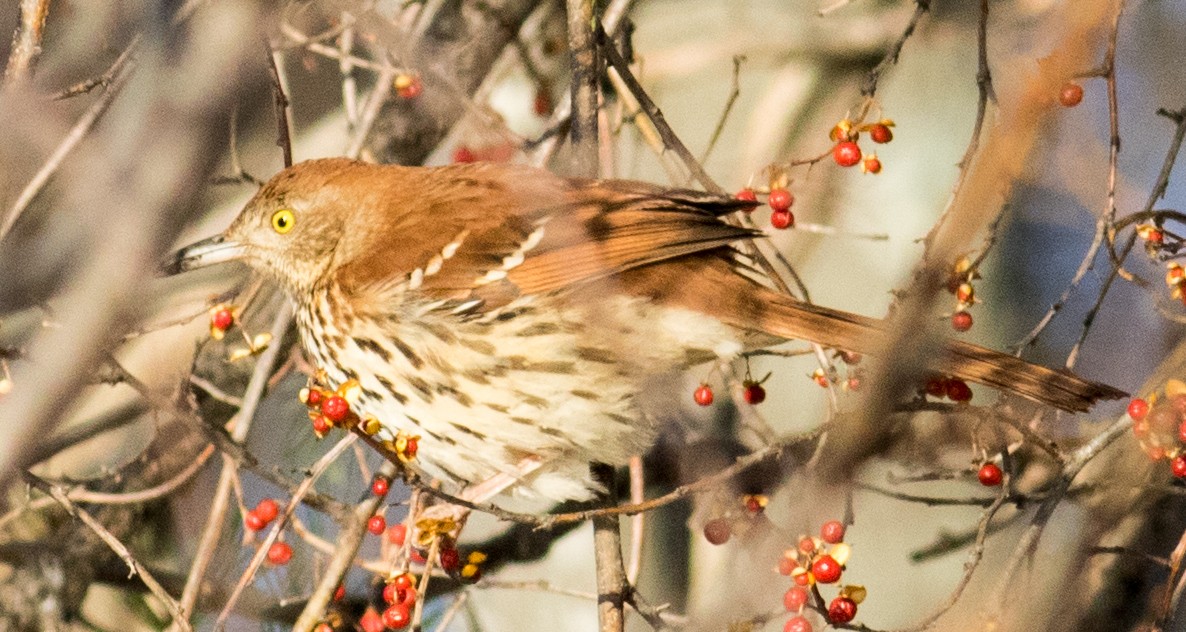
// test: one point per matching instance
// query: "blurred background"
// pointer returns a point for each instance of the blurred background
(133, 127)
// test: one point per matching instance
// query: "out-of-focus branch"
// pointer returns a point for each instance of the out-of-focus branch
(136, 568)
(26, 41)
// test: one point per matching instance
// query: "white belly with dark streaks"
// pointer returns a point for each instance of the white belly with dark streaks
(485, 394)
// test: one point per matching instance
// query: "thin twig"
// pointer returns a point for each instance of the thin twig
(869, 87)
(734, 93)
(281, 106)
(81, 128)
(134, 567)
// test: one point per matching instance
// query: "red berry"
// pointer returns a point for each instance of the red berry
(787, 563)
(1141, 429)
(842, 610)
(335, 408)
(965, 293)
(279, 553)
(340, 593)
(754, 393)
(464, 154)
(782, 220)
(321, 425)
(314, 397)
(267, 509)
(826, 569)
(937, 387)
(222, 318)
(871, 164)
(795, 598)
(397, 616)
(798, 624)
(958, 390)
(1070, 95)
(397, 533)
(450, 559)
(403, 581)
(411, 447)
(703, 395)
(846, 153)
(394, 594)
(1155, 236)
(542, 104)
(371, 621)
(717, 531)
(1178, 466)
(961, 321)
(323, 627)
(806, 545)
(990, 475)
(1156, 453)
(802, 579)
(832, 532)
(880, 133)
(380, 485)
(747, 195)
(780, 199)
(254, 522)
(1137, 409)
(376, 525)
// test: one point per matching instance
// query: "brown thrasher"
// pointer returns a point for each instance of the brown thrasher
(503, 313)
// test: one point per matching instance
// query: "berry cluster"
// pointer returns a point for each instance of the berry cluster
(399, 593)
(809, 564)
(1159, 423)
(718, 530)
(258, 519)
(779, 199)
(331, 408)
(222, 318)
(952, 388)
(959, 283)
(847, 152)
(752, 391)
(853, 373)
(264, 513)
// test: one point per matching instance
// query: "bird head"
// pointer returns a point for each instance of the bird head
(293, 228)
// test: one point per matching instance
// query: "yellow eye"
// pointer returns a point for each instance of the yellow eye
(283, 221)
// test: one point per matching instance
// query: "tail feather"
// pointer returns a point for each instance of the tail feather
(786, 317)
(712, 285)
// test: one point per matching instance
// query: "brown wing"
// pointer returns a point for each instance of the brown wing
(489, 233)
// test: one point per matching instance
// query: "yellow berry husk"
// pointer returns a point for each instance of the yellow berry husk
(371, 426)
(476, 557)
(856, 592)
(403, 81)
(841, 553)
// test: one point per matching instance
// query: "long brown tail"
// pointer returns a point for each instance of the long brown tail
(712, 285)
(786, 317)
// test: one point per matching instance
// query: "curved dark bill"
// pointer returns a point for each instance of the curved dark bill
(217, 249)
